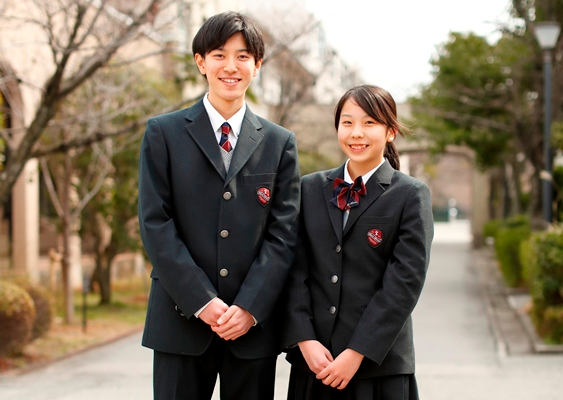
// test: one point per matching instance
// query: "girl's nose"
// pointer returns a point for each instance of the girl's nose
(357, 131)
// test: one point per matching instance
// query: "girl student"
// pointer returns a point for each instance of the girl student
(363, 251)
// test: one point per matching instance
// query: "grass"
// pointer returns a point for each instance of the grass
(103, 323)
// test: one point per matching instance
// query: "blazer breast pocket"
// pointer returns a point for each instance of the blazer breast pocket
(259, 178)
(376, 230)
(376, 220)
(263, 186)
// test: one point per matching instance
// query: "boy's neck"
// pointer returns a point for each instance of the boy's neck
(227, 108)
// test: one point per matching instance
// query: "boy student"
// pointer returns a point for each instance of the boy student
(218, 210)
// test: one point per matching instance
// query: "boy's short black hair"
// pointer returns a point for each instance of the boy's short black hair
(215, 32)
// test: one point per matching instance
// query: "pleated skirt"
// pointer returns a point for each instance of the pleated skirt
(304, 386)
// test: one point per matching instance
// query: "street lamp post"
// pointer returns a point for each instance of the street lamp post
(547, 34)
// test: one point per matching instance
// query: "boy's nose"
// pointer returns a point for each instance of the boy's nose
(230, 65)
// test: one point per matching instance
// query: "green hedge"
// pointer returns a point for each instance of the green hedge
(545, 273)
(508, 234)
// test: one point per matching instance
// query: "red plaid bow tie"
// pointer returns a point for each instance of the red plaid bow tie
(347, 195)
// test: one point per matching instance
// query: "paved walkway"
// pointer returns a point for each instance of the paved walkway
(458, 352)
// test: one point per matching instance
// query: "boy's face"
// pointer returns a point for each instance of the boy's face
(229, 71)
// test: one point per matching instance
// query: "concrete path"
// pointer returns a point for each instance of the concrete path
(457, 350)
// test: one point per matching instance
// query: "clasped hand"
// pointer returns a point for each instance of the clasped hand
(337, 372)
(229, 323)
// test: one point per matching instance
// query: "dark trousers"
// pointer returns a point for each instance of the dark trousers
(180, 377)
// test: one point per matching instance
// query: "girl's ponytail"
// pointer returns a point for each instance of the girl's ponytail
(392, 155)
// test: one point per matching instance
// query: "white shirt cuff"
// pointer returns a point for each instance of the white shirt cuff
(202, 308)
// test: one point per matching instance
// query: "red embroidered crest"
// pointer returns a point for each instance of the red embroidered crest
(375, 237)
(263, 195)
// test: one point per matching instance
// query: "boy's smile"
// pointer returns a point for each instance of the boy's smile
(229, 70)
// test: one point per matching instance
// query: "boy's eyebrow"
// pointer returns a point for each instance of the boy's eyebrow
(244, 49)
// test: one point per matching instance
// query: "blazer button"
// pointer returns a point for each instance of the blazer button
(338, 248)
(224, 233)
(224, 272)
(334, 278)
(227, 195)
(332, 310)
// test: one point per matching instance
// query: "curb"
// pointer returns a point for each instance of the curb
(512, 327)
(516, 301)
(500, 342)
(43, 363)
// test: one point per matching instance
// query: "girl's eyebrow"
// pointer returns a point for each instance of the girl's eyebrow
(350, 116)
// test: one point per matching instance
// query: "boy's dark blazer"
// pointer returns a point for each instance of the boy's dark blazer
(209, 232)
(356, 287)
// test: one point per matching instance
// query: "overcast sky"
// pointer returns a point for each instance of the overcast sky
(392, 41)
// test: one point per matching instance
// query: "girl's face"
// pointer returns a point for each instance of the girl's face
(362, 139)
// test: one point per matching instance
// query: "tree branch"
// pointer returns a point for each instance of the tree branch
(98, 136)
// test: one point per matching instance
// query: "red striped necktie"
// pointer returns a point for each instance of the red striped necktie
(224, 142)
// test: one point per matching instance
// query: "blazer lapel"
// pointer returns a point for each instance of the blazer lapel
(375, 186)
(335, 214)
(201, 131)
(248, 140)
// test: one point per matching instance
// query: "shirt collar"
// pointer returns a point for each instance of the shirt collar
(365, 177)
(217, 120)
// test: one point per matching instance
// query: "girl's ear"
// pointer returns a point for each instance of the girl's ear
(391, 133)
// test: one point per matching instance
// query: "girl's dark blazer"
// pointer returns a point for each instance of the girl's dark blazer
(209, 232)
(356, 287)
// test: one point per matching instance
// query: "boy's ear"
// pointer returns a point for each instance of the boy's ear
(200, 62)
(257, 66)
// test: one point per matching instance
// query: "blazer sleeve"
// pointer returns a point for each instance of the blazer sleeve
(173, 265)
(266, 277)
(391, 306)
(297, 312)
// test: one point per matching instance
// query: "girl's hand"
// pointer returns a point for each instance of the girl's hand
(317, 356)
(339, 373)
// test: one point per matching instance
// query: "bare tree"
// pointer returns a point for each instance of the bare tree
(81, 37)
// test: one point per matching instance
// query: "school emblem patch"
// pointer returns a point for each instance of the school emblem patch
(263, 195)
(375, 237)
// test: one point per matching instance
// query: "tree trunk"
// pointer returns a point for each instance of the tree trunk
(104, 279)
(67, 228)
(102, 274)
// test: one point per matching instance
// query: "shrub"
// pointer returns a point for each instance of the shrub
(548, 250)
(17, 313)
(507, 248)
(546, 284)
(43, 302)
(552, 325)
(43, 310)
(491, 227)
(528, 261)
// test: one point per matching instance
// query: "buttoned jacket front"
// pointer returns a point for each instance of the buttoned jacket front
(355, 287)
(209, 232)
